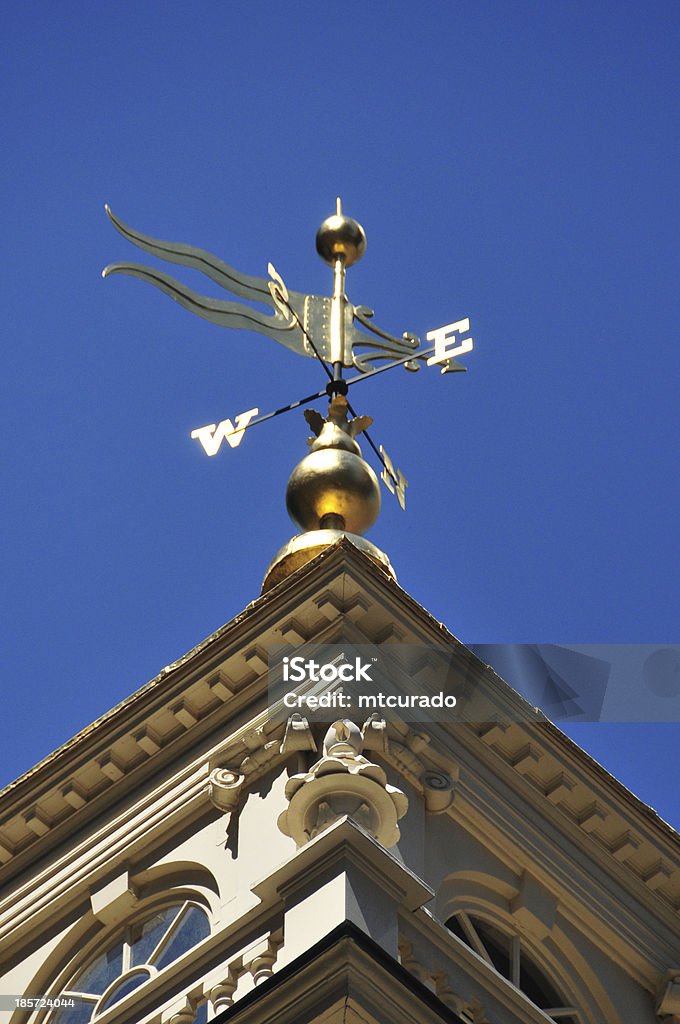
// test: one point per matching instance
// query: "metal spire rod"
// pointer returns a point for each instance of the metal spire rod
(338, 302)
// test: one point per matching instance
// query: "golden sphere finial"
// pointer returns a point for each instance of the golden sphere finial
(340, 236)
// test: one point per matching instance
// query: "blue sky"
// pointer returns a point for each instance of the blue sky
(514, 163)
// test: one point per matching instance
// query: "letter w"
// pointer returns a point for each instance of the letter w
(212, 436)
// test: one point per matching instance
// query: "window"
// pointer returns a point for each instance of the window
(510, 958)
(139, 953)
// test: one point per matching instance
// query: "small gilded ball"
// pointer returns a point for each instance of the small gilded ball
(340, 236)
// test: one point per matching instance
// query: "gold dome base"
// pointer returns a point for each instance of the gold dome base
(306, 546)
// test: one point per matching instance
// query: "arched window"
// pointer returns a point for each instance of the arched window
(132, 957)
(508, 954)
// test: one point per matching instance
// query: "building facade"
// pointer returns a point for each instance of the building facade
(192, 856)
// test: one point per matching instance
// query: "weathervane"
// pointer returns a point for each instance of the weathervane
(326, 329)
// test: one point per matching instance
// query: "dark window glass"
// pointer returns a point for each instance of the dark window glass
(532, 980)
(536, 986)
(454, 925)
(496, 944)
(126, 984)
(81, 1013)
(98, 976)
(145, 937)
(188, 930)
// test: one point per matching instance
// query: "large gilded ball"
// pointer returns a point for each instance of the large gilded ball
(333, 488)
